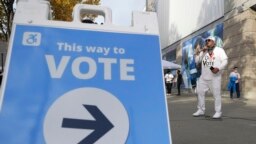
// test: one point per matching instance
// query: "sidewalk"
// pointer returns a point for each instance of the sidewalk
(237, 126)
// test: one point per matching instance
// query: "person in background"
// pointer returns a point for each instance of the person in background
(179, 81)
(88, 21)
(174, 81)
(213, 60)
(234, 79)
(168, 79)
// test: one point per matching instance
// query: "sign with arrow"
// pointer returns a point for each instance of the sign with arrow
(94, 115)
(73, 86)
(101, 125)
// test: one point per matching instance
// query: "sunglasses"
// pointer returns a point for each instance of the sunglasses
(208, 40)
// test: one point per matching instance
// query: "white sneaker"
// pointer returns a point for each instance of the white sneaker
(198, 113)
(195, 91)
(217, 115)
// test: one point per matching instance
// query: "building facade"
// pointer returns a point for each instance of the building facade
(239, 37)
(185, 24)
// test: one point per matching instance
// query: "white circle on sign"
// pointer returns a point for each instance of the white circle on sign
(71, 106)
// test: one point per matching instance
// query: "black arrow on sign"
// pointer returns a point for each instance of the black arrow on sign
(101, 125)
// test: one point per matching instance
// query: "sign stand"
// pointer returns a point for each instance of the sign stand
(72, 82)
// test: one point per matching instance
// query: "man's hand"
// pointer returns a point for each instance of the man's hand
(197, 51)
(215, 70)
(205, 48)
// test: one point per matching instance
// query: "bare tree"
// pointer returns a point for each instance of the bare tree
(61, 10)
(6, 18)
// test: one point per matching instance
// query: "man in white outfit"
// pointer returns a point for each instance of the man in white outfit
(214, 60)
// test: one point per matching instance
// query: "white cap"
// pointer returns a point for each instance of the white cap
(211, 38)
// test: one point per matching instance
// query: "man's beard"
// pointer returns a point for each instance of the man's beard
(210, 48)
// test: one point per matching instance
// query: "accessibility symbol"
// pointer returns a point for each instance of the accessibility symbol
(31, 38)
(86, 116)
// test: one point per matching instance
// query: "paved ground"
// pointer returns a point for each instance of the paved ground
(237, 126)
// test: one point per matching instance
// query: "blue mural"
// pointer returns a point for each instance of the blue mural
(190, 70)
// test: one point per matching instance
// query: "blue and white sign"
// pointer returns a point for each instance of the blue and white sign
(68, 86)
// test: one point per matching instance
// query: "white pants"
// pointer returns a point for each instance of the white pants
(215, 86)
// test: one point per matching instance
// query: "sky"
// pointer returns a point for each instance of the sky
(122, 10)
